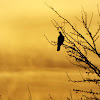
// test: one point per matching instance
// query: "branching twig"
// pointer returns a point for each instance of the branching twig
(90, 92)
(50, 97)
(30, 96)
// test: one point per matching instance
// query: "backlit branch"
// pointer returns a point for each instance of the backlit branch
(84, 20)
(96, 81)
(75, 40)
(77, 47)
(90, 92)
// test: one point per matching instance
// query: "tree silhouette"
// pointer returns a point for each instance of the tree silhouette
(78, 47)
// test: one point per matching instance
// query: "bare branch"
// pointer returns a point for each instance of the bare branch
(75, 52)
(78, 19)
(90, 21)
(98, 10)
(96, 38)
(51, 42)
(93, 48)
(90, 92)
(81, 75)
(50, 97)
(77, 47)
(30, 96)
(97, 31)
(90, 98)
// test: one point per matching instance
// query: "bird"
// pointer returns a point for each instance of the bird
(60, 41)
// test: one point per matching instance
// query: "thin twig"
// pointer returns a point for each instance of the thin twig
(50, 97)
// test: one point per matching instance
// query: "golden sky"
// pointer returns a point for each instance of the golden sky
(23, 24)
(23, 46)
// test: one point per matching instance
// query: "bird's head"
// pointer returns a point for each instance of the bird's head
(60, 33)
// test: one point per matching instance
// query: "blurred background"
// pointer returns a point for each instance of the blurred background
(26, 57)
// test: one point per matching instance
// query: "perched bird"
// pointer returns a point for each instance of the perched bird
(60, 41)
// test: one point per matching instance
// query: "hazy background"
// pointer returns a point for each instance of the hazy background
(26, 58)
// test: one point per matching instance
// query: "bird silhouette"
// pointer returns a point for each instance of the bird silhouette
(60, 41)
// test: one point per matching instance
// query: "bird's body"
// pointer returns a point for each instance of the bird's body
(60, 41)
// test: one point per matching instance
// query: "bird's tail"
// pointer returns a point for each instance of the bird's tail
(58, 48)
